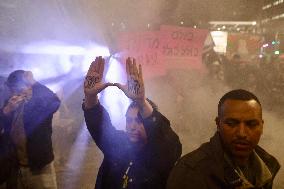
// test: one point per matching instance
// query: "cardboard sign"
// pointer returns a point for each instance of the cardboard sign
(181, 47)
(144, 47)
(171, 47)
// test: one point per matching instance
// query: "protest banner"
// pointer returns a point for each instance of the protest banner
(181, 47)
(144, 46)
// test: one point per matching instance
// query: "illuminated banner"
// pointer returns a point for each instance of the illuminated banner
(181, 47)
(220, 41)
(171, 47)
(246, 45)
(144, 46)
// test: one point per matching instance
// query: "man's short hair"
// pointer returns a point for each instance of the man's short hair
(16, 78)
(238, 94)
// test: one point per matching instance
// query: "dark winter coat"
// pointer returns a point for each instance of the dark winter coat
(150, 165)
(37, 118)
(206, 168)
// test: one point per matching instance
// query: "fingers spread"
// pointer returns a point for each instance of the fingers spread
(140, 76)
(96, 66)
(127, 66)
(15, 100)
(91, 68)
(130, 66)
(99, 65)
(135, 71)
(101, 68)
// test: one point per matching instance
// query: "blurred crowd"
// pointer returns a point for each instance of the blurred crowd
(264, 78)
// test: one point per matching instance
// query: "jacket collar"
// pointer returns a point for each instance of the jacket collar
(226, 171)
(223, 172)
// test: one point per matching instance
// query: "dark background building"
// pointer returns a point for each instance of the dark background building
(272, 22)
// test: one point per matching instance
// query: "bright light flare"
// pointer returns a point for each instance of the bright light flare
(54, 49)
(59, 48)
(114, 99)
(116, 72)
(52, 58)
(91, 53)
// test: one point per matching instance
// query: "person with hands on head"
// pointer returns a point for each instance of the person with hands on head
(27, 118)
(141, 157)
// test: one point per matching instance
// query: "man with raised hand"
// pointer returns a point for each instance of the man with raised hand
(141, 157)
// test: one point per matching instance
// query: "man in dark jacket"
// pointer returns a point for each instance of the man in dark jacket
(27, 118)
(141, 157)
(232, 159)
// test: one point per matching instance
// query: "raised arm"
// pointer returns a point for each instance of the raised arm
(134, 89)
(98, 122)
